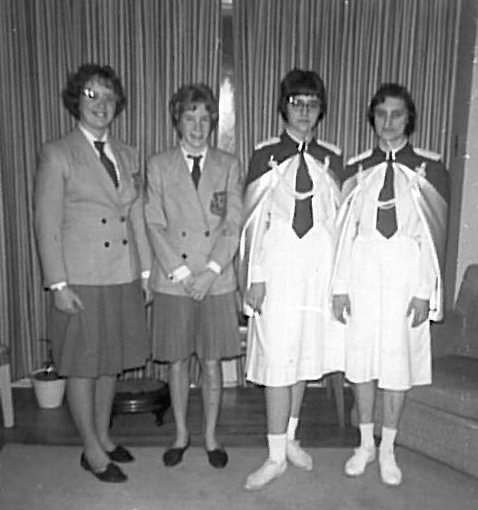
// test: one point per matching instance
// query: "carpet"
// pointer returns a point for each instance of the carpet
(36, 477)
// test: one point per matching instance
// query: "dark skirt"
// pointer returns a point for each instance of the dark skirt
(110, 335)
(183, 326)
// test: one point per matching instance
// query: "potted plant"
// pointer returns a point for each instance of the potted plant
(48, 386)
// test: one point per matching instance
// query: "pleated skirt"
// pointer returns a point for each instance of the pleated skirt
(110, 335)
(183, 326)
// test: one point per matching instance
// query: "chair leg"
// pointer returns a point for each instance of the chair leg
(338, 386)
(6, 395)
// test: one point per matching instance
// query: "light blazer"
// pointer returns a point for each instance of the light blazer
(88, 231)
(191, 227)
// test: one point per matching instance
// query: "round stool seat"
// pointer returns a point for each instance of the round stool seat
(142, 396)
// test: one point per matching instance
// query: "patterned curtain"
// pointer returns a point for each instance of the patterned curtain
(154, 45)
(355, 45)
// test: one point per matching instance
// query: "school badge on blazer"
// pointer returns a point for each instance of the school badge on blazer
(218, 205)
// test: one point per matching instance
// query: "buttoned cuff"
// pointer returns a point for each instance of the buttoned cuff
(145, 274)
(180, 274)
(214, 267)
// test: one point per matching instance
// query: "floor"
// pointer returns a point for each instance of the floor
(242, 421)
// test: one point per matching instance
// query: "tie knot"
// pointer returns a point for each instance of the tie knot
(196, 159)
(301, 147)
(390, 157)
(100, 146)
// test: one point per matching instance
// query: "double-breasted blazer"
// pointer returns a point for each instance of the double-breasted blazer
(189, 226)
(88, 231)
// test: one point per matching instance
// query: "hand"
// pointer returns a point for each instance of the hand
(67, 301)
(201, 284)
(255, 296)
(420, 309)
(187, 284)
(147, 294)
(341, 307)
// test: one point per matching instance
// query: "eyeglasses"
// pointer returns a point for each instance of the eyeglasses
(299, 104)
(96, 96)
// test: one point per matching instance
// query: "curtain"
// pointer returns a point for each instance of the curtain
(154, 45)
(354, 45)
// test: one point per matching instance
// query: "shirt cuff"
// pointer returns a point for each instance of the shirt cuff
(58, 286)
(214, 267)
(180, 274)
(145, 274)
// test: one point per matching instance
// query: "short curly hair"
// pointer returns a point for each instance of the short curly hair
(398, 91)
(188, 97)
(76, 82)
(301, 82)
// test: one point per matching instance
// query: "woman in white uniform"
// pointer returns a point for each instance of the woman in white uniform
(288, 246)
(387, 281)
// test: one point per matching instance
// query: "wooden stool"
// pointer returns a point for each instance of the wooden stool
(6, 386)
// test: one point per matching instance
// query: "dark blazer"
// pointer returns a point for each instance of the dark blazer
(88, 231)
(191, 227)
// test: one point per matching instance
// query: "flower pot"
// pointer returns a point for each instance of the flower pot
(49, 389)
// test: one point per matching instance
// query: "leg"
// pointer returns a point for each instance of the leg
(392, 409)
(295, 454)
(80, 394)
(278, 406)
(365, 454)
(6, 395)
(211, 396)
(105, 387)
(179, 387)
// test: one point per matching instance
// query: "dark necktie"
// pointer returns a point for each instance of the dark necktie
(387, 217)
(196, 171)
(107, 163)
(303, 218)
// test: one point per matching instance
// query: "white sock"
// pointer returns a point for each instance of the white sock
(292, 427)
(388, 439)
(366, 436)
(277, 447)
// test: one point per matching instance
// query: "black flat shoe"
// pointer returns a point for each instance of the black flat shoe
(174, 456)
(120, 454)
(218, 458)
(112, 473)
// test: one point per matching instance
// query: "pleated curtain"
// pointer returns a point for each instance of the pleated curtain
(354, 45)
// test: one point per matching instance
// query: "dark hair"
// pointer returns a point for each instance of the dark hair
(76, 83)
(189, 97)
(299, 82)
(394, 90)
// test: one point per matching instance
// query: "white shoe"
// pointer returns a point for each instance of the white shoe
(356, 465)
(298, 456)
(265, 474)
(390, 473)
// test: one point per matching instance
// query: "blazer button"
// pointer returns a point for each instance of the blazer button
(183, 234)
(107, 244)
(207, 233)
(125, 241)
(184, 256)
(122, 219)
(104, 220)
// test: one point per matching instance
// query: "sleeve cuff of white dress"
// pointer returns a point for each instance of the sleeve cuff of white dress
(214, 267)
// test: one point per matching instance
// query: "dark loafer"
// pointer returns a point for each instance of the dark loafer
(217, 458)
(120, 454)
(112, 473)
(174, 456)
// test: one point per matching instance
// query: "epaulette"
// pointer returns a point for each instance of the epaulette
(270, 141)
(333, 148)
(434, 156)
(359, 157)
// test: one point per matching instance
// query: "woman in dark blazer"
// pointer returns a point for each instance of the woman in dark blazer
(95, 257)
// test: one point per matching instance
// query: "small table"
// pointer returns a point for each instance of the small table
(141, 396)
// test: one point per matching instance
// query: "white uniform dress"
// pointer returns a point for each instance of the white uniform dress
(381, 276)
(293, 338)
